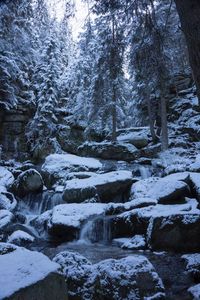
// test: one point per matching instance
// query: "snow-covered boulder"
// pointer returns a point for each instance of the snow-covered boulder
(57, 167)
(66, 219)
(138, 138)
(82, 283)
(136, 221)
(137, 242)
(132, 277)
(6, 177)
(7, 201)
(193, 264)
(108, 150)
(29, 275)
(20, 238)
(194, 291)
(176, 232)
(195, 167)
(28, 182)
(166, 190)
(6, 218)
(107, 186)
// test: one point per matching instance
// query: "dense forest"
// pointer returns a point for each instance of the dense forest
(99, 149)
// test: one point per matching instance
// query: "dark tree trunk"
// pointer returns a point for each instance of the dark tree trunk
(151, 120)
(189, 13)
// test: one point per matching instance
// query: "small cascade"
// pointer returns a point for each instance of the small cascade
(37, 204)
(145, 172)
(97, 230)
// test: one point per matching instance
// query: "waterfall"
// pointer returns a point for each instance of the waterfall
(98, 229)
(36, 204)
(145, 172)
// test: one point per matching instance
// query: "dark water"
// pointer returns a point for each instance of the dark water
(169, 266)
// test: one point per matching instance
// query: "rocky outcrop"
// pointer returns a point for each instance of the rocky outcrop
(193, 265)
(29, 275)
(28, 182)
(132, 277)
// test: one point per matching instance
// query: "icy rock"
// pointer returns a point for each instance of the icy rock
(20, 238)
(66, 219)
(6, 218)
(132, 277)
(27, 182)
(193, 264)
(108, 150)
(176, 232)
(195, 292)
(135, 243)
(6, 177)
(57, 167)
(29, 275)
(7, 201)
(195, 179)
(107, 186)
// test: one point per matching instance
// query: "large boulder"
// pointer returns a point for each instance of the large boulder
(132, 277)
(28, 182)
(167, 190)
(139, 138)
(29, 275)
(194, 291)
(176, 232)
(106, 186)
(66, 219)
(108, 150)
(57, 167)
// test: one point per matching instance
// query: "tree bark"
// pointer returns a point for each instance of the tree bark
(164, 136)
(189, 13)
(151, 120)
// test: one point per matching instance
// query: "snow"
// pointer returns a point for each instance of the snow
(195, 178)
(56, 162)
(134, 243)
(6, 218)
(98, 180)
(6, 177)
(141, 188)
(193, 262)
(22, 268)
(7, 201)
(195, 291)
(20, 236)
(74, 214)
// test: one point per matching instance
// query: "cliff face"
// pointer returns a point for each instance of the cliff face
(12, 132)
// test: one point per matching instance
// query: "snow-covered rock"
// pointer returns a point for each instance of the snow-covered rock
(6, 177)
(195, 167)
(195, 292)
(136, 221)
(27, 182)
(195, 179)
(57, 167)
(7, 201)
(66, 219)
(132, 277)
(20, 238)
(176, 232)
(193, 264)
(135, 243)
(108, 150)
(139, 138)
(6, 218)
(107, 186)
(166, 190)
(29, 275)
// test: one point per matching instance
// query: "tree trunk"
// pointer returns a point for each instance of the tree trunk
(189, 13)
(151, 120)
(113, 78)
(114, 119)
(164, 136)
